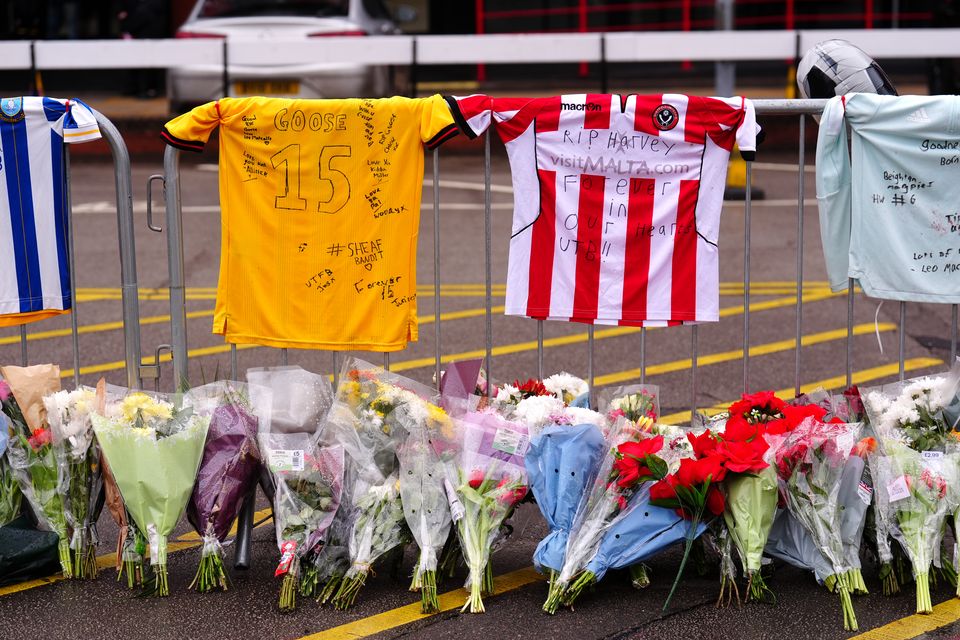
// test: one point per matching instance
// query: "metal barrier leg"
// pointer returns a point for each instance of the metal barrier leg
(540, 349)
(336, 370)
(800, 196)
(386, 364)
(283, 356)
(747, 207)
(234, 368)
(953, 334)
(436, 263)
(72, 259)
(643, 355)
(24, 360)
(241, 558)
(849, 332)
(694, 381)
(488, 255)
(591, 394)
(903, 337)
(178, 298)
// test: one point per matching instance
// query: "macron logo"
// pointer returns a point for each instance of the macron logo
(920, 115)
(567, 106)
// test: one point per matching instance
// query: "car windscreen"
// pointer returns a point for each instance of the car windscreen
(240, 8)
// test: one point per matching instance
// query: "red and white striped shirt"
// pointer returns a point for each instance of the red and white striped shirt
(617, 202)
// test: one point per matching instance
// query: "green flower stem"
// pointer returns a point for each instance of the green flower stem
(683, 563)
(888, 579)
(856, 583)
(329, 589)
(583, 581)
(350, 587)
(924, 604)
(474, 601)
(428, 592)
(849, 616)
(555, 590)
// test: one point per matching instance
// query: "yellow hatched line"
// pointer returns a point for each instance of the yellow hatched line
(108, 560)
(836, 382)
(411, 613)
(736, 354)
(915, 625)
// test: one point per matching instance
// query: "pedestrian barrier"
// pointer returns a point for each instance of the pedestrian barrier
(799, 109)
(135, 371)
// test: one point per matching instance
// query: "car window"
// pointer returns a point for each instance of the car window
(376, 9)
(238, 8)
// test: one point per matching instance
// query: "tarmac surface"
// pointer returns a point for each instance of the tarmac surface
(105, 609)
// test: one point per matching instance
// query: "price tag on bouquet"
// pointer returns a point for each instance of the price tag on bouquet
(456, 507)
(931, 455)
(287, 551)
(286, 460)
(511, 442)
(898, 489)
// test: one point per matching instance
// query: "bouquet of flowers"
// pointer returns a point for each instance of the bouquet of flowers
(692, 491)
(10, 495)
(624, 465)
(30, 451)
(424, 498)
(76, 451)
(810, 462)
(750, 488)
(228, 472)
(489, 479)
(308, 482)
(562, 464)
(383, 408)
(570, 389)
(633, 402)
(528, 403)
(153, 450)
(915, 438)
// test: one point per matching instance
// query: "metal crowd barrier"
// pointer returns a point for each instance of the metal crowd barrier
(128, 263)
(800, 109)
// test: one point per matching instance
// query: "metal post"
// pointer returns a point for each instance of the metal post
(694, 381)
(590, 373)
(724, 72)
(800, 192)
(226, 70)
(386, 365)
(24, 361)
(747, 209)
(604, 79)
(128, 251)
(643, 355)
(436, 262)
(234, 365)
(177, 287)
(903, 336)
(336, 370)
(283, 356)
(488, 254)
(953, 334)
(540, 349)
(849, 332)
(72, 258)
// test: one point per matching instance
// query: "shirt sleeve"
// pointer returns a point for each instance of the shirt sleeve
(471, 113)
(79, 123)
(834, 193)
(747, 131)
(191, 130)
(436, 122)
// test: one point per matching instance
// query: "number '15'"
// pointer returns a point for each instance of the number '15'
(333, 186)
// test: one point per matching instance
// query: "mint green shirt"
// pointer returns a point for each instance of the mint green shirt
(890, 207)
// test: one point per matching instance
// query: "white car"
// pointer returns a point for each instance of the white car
(286, 20)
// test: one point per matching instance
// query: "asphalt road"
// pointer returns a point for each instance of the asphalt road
(104, 608)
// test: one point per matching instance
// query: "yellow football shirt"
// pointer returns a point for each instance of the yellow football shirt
(320, 209)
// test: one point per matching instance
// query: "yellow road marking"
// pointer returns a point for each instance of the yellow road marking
(109, 560)
(406, 365)
(737, 354)
(411, 612)
(912, 626)
(836, 382)
(97, 328)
